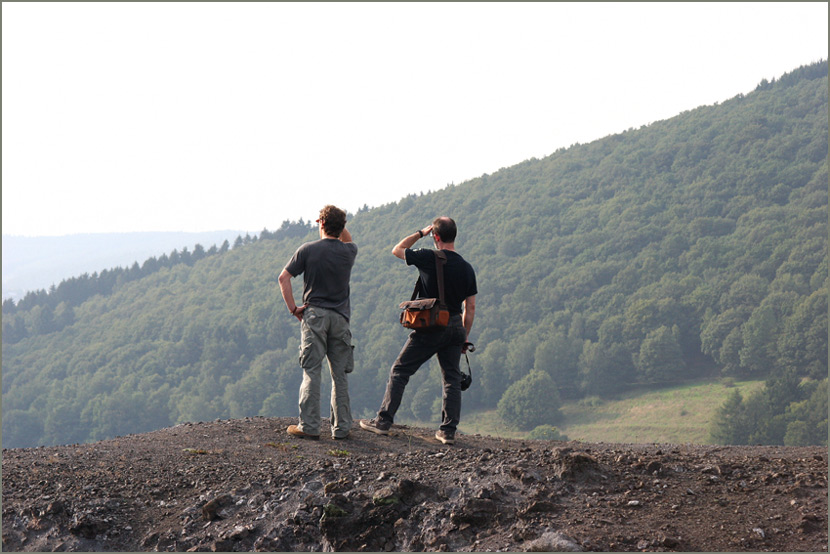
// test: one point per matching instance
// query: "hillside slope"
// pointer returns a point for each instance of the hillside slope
(240, 485)
(693, 248)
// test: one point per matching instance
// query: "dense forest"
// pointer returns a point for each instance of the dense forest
(691, 248)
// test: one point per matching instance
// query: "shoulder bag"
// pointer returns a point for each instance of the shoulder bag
(427, 313)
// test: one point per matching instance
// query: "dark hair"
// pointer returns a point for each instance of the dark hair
(445, 228)
(333, 220)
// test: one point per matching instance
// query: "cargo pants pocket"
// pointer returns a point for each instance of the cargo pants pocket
(311, 347)
(349, 367)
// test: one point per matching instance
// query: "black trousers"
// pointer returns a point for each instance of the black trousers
(420, 347)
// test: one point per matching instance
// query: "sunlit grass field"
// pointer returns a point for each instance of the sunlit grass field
(678, 415)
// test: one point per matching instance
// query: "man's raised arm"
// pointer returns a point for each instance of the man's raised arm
(408, 241)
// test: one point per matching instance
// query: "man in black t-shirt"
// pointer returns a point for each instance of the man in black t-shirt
(326, 265)
(447, 343)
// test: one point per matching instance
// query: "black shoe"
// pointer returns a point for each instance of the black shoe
(446, 437)
(376, 426)
(335, 437)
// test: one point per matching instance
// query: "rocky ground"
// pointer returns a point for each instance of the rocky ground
(244, 485)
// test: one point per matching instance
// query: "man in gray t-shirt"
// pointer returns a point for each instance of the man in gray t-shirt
(326, 265)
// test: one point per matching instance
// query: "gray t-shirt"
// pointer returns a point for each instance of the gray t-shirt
(327, 267)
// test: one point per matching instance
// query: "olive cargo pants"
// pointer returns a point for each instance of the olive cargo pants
(325, 334)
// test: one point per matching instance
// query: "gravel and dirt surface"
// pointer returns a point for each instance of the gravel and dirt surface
(245, 485)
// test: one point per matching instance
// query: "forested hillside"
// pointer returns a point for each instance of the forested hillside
(691, 248)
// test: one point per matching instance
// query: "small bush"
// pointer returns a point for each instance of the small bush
(591, 402)
(547, 433)
(530, 401)
(727, 382)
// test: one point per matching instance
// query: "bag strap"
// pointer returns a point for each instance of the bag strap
(440, 260)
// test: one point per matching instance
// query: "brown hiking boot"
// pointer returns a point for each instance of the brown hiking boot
(294, 431)
(446, 437)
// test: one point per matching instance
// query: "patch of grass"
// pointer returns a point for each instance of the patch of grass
(385, 500)
(488, 423)
(281, 446)
(330, 510)
(676, 415)
(339, 453)
(197, 451)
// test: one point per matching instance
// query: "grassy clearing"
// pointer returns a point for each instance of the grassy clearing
(678, 415)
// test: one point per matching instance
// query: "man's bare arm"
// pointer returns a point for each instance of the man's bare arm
(288, 294)
(408, 241)
(469, 313)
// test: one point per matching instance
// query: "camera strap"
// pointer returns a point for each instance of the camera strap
(470, 348)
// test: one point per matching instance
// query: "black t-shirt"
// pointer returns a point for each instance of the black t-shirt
(327, 264)
(459, 277)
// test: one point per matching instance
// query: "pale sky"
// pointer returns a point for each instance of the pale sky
(158, 116)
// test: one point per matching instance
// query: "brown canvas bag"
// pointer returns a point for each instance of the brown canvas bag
(427, 313)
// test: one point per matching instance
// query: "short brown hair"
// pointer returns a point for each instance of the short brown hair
(333, 220)
(445, 228)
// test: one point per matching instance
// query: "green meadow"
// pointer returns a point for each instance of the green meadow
(677, 415)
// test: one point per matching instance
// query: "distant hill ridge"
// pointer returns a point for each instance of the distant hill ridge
(695, 247)
(34, 263)
(145, 253)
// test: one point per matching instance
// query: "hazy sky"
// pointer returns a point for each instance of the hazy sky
(163, 116)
